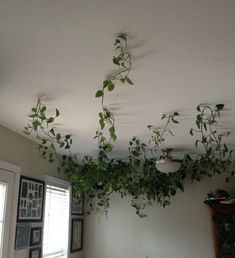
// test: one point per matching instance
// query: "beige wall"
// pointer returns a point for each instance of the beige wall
(182, 230)
(20, 151)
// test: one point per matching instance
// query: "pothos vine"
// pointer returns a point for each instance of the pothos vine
(136, 176)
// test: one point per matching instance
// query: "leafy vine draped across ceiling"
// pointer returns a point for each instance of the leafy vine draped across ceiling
(137, 175)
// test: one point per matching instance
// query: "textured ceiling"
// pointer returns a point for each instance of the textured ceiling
(183, 53)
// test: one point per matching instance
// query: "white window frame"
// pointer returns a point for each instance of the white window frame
(60, 183)
(16, 170)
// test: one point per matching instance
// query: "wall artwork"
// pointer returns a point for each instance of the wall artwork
(76, 235)
(22, 236)
(36, 236)
(31, 200)
(35, 252)
(77, 203)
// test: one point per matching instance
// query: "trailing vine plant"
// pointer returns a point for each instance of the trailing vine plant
(136, 176)
(123, 62)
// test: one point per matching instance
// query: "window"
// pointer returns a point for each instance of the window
(3, 191)
(56, 219)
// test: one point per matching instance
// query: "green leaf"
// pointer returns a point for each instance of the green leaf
(123, 65)
(114, 137)
(43, 109)
(199, 108)
(175, 121)
(225, 147)
(102, 124)
(33, 115)
(50, 120)
(128, 80)
(117, 41)
(220, 106)
(58, 136)
(198, 124)
(111, 86)
(180, 186)
(116, 60)
(173, 192)
(191, 131)
(105, 83)
(122, 80)
(101, 115)
(35, 124)
(199, 117)
(57, 112)
(99, 93)
(52, 131)
(112, 130)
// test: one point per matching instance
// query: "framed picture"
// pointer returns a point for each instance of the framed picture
(35, 252)
(76, 235)
(77, 203)
(36, 236)
(31, 200)
(22, 236)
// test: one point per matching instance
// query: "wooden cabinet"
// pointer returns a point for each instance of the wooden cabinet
(223, 218)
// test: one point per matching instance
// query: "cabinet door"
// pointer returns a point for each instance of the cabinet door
(225, 234)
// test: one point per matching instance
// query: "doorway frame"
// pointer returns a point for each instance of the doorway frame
(16, 170)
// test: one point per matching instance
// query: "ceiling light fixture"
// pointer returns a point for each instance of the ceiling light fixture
(166, 164)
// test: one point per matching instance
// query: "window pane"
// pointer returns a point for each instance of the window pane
(3, 191)
(56, 222)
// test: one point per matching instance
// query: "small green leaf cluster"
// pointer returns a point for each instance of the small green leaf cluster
(41, 125)
(216, 156)
(158, 134)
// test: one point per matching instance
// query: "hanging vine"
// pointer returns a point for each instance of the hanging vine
(136, 176)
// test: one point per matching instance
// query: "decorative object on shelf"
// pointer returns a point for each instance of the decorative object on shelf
(77, 203)
(31, 200)
(166, 164)
(76, 235)
(22, 236)
(218, 196)
(223, 218)
(137, 175)
(36, 236)
(35, 252)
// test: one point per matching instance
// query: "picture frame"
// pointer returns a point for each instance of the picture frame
(77, 203)
(76, 235)
(35, 236)
(35, 252)
(30, 200)
(22, 236)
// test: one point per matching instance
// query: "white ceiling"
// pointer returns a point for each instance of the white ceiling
(183, 53)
